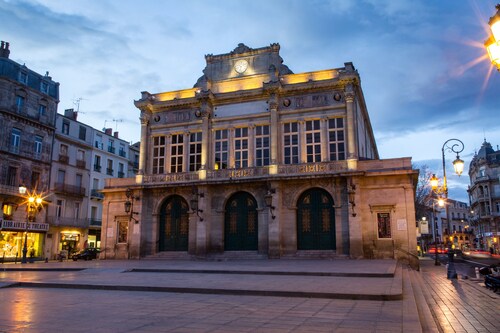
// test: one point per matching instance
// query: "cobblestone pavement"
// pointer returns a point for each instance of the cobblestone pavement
(33, 309)
(56, 310)
(460, 305)
(431, 302)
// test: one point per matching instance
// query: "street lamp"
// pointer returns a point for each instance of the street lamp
(492, 44)
(440, 204)
(33, 202)
(456, 146)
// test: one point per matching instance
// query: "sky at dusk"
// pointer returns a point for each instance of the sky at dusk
(424, 71)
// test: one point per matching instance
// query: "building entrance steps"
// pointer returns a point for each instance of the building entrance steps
(342, 279)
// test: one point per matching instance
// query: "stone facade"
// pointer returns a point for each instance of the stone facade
(484, 193)
(255, 159)
(28, 107)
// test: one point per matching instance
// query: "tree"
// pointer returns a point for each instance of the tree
(423, 192)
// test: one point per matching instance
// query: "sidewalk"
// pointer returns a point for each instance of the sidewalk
(458, 305)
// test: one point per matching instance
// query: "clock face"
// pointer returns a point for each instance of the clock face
(241, 66)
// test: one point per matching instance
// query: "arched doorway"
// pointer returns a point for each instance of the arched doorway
(174, 225)
(240, 223)
(315, 221)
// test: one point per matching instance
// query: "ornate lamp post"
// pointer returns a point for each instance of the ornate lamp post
(33, 202)
(440, 204)
(492, 44)
(456, 146)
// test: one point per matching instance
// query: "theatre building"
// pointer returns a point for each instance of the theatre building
(256, 161)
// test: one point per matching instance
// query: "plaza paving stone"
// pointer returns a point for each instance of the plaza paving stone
(428, 303)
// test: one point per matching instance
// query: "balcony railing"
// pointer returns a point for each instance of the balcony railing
(81, 164)
(69, 189)
(122, 153)
(121, 174)
(97, 168)
(68, 222)
(111, 149)
(95, 194)
(253, 173)
(109, 171)
(95, 222)
(63, 159)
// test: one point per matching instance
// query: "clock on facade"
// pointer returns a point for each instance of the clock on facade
(241, 66)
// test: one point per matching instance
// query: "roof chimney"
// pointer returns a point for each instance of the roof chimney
(115, 134)
(70, 113)
(108, 131)
(4, 50)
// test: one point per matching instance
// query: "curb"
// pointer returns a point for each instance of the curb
(243, 292)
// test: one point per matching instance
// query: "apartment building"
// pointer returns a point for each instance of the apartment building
(484, 194)
(28, 108)
(83, 157)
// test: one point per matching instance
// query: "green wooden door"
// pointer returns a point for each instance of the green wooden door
(240, 223)
(174, 225)
(315, 221)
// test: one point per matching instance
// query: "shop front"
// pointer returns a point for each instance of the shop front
(13, 235)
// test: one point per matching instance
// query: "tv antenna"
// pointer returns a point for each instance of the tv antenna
(116, 121)
(77, 102)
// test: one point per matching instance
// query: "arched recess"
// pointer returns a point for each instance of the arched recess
(240, 223)
(174, 225)
(315, 221)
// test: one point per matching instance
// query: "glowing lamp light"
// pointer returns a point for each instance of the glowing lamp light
(494, 24)
(434, 182)
(492, 44)
(458, 165)
(493, 51)
(441, 202)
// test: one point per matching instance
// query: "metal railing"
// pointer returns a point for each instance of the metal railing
(69, 189)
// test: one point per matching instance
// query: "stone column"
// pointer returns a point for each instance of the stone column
(274, 129)
(251, 145)
(324, 139)
(355, 229)
(144, 118)
(206, 136)
(302, 141)
(273, 225)
(230, 148)
(185, 153)
(352, 142)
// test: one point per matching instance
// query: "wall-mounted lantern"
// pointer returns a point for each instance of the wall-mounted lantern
(269, 201)
(351, 192)
(194, 202)
(129, 204)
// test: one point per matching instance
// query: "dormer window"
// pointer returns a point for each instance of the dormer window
(23, 77)
(44, 87)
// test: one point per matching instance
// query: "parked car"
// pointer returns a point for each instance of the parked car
(86, 254)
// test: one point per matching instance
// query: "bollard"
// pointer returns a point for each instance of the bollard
(46, 259)
(477, 273)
